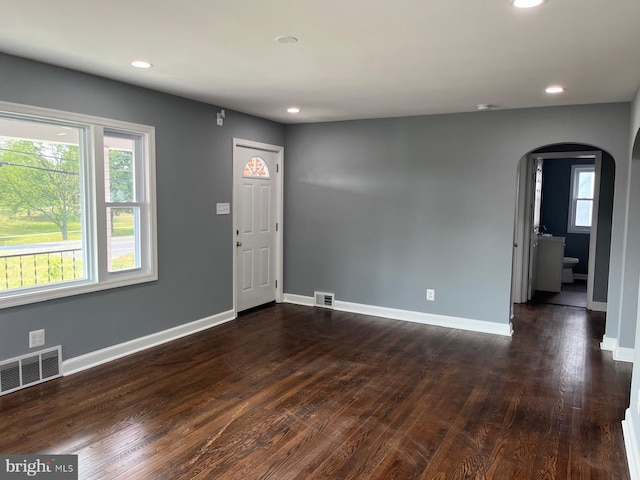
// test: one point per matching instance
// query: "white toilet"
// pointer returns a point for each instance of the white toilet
(567, 268)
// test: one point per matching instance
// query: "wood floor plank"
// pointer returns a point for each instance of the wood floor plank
(294, 392)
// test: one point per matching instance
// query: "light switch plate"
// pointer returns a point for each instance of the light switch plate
(223, 209)
(36, 338)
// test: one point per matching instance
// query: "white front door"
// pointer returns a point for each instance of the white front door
(255, 188)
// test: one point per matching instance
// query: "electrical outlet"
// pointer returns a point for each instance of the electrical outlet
(431, 294)
(36, 338)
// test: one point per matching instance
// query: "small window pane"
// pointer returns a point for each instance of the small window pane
(41, 221)
(585, 184)
(123, 238)
(119, 157)
(256, 167)
(583, 213)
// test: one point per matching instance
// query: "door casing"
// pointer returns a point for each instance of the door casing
(521, 269)
(279, 185)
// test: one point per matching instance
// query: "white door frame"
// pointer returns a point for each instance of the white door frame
(279, 185)
(533, 214)
(522, 236)
(520, 253)
(523, 227)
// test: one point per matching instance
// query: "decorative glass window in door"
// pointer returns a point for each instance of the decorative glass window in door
(256, 167)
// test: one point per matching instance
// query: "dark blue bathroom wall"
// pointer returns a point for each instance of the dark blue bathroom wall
(554, 214)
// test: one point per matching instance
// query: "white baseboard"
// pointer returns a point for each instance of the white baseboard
(598, 306)
(410, 316)
(299, 300)
(580, 276)
(631, 446)
(621, 354)
(609, 344)
(93, 359)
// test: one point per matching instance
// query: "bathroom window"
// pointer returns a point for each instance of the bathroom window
(583, 178)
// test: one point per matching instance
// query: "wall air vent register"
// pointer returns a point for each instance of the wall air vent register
(37, 367)
(324, 300)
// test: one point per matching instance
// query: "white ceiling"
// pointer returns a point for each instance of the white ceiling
(354, 58)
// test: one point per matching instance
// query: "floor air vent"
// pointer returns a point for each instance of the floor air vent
(21, 372)
(324, 300)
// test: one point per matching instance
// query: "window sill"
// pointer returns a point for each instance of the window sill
(70, 289)
(584, 231)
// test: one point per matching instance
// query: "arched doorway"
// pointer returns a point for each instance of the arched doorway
(592, 246)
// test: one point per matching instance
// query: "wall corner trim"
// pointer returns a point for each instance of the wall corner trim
(598, 306)
(609, 344)
(479, 326)
(631, 446)
(620, 354)
(108, 354)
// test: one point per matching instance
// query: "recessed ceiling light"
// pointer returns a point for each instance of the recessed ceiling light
(554, 89)
(141, 64)
(286, 39)
(526, 3)
(483, 107)
(293, 110)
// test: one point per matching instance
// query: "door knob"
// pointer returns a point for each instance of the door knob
(238, 244)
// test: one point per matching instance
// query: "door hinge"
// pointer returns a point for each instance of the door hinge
(277, 168)
(276, 283)
(276, 226)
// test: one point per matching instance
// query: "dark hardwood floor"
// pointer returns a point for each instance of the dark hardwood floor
(294, 392)
(572, 294)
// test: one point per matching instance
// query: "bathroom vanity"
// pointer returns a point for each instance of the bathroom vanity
(550, 259)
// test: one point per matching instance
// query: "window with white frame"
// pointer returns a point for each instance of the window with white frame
(582, 191)
(77, 204)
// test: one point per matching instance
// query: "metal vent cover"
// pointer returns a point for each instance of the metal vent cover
(37, 367)
(324, 300)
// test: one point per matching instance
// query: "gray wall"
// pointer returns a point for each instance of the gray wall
(375, 210)
(605, 222)
(633, 416)
(379, 210)
(631, 258)
(193, 173)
